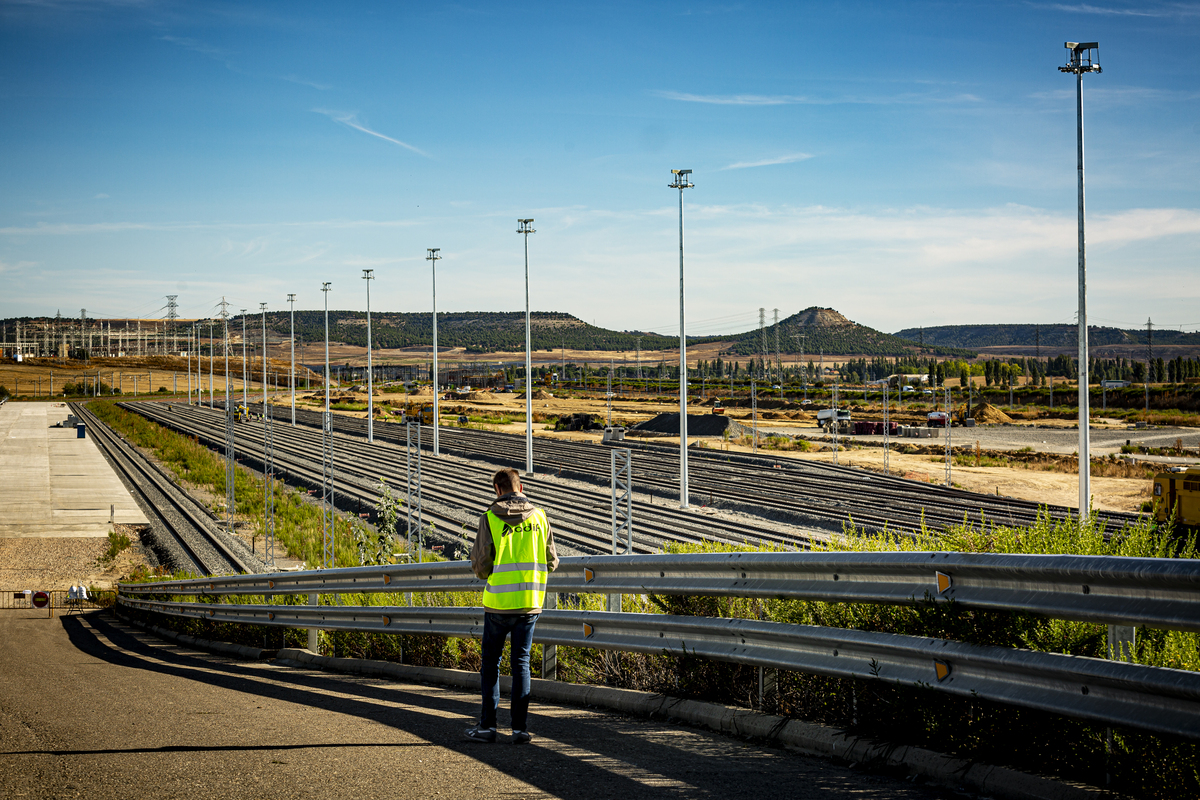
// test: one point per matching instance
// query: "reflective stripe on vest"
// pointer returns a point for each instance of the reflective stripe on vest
(518, 578)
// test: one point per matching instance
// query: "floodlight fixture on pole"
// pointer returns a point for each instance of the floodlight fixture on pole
(433, 258)
(525, 226)
(682, 182)
(263, 308)
(1084, 57)
(292, 337)
(368, 276)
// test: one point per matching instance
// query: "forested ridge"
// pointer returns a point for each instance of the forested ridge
(477, 331)
(1060, 335)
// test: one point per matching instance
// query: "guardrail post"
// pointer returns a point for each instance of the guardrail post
(768, 680)
(313, 644)
(1121, 639)
(550, 651)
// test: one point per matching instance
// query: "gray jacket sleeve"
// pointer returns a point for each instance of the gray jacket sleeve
(551, 552)
(483, 553)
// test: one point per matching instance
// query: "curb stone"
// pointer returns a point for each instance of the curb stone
(804, 737)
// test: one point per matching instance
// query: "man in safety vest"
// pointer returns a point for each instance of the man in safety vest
(514, 553)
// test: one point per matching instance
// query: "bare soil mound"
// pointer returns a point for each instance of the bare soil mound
(989, 414)
(542, 394)
(698, 425)
(480, 396)
(424, 391)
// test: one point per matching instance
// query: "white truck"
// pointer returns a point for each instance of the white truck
(826, 416)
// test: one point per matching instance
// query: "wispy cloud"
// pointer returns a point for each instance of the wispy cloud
(767, 162)
(302, 82)
(224, 57)
(196, 46)
(797, 99)
(350, 120)
(1144, 10)
(101, 196)
(88, 228)
(5, 266)
(1120, 95)
(736, 99)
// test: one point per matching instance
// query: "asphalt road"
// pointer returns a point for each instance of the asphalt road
(92, 708)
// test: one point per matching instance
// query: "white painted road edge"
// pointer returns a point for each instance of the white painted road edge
(804, 737)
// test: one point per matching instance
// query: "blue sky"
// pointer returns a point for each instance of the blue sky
(904, 163)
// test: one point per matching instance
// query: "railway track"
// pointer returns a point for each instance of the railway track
(815, 494)
(455, 490)
(184, 530)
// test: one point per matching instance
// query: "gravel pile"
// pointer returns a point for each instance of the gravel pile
(49, 563)
(988, 414)
(698, 425)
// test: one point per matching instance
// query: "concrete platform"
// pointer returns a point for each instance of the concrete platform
(53, 483)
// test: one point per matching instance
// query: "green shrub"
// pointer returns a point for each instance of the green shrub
(117, 542)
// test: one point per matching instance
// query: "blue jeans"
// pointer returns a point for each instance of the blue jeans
(496, 627)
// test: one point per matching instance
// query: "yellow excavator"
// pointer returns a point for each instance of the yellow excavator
(419, 413)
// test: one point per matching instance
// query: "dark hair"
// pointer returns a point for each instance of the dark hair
(506, 480)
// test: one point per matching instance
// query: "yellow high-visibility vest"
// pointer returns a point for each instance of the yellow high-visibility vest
(518, 578)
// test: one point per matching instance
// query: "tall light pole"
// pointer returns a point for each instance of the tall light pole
(263, 308)
(368, 276)
(432, 258)
(325, 288)
(211, 401)
(245, 371)
(328, 508)
(525, 226)
(682, 182)
(292, 380)
(1082, 60)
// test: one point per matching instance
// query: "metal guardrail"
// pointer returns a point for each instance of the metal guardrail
(1164, 701)
(1155, 592)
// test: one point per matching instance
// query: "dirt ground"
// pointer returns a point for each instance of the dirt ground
(37, 377)
(51, 563)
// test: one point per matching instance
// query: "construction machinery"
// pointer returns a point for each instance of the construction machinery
(418, 412)
(717, 407)
(1177, 493)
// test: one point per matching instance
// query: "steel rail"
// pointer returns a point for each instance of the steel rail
(584, 520)
(1154, 592)
(146, 480)
(787, 499)
(571, 528)
(1164, 701)
(820, 498)
(934, 504)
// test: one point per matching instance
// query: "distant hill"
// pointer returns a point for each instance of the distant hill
(477, 331)
(825, 330)
(977, 336)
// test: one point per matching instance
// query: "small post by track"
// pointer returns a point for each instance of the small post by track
(621, 480)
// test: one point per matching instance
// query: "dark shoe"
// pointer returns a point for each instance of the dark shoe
(478, 734)
(521, 737)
